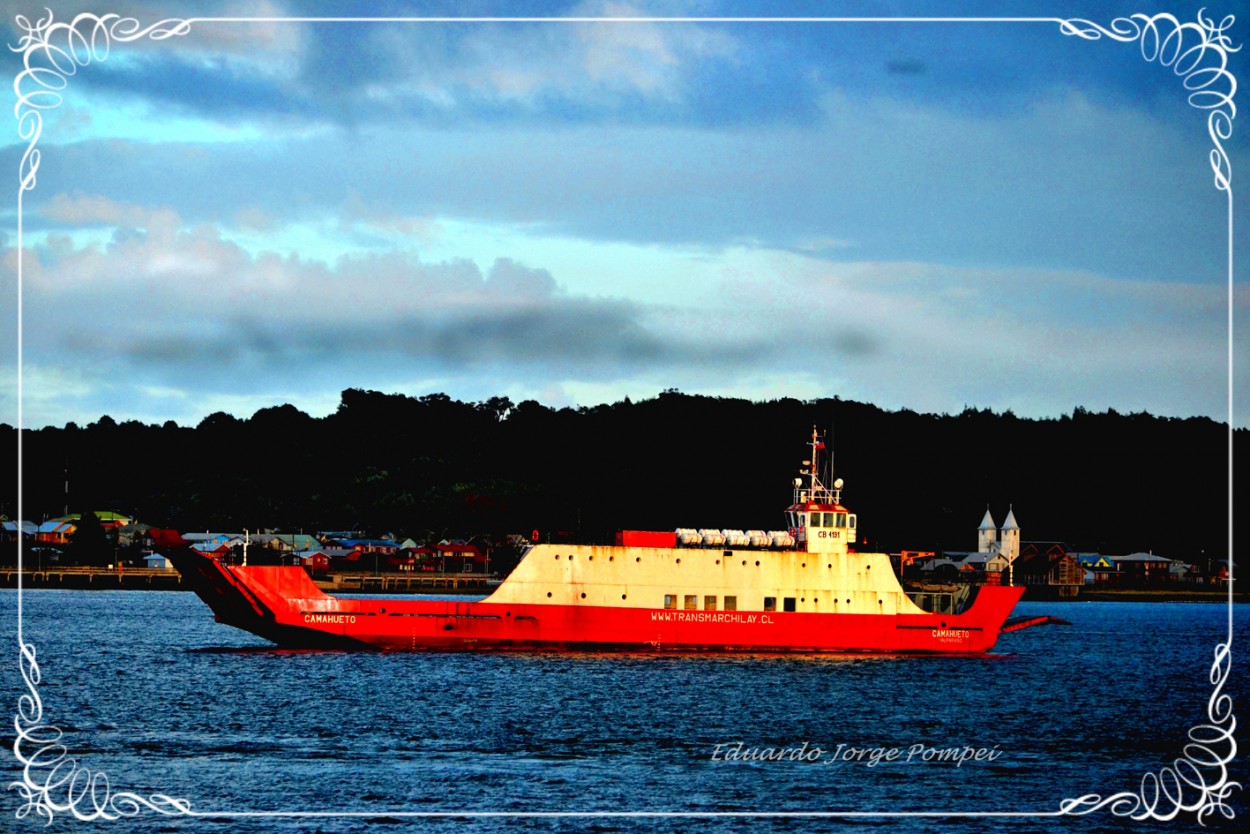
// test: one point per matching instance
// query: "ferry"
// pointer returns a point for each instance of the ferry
(803, 589)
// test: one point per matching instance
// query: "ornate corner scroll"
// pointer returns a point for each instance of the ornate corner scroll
(52, 51)
(1198, 781)
(1197, 52)
(55, 783)
(52, 781)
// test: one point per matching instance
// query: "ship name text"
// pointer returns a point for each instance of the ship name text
(330, 619)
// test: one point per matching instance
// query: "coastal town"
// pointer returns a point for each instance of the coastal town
(386, 561)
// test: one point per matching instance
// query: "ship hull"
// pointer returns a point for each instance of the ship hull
(282, 605)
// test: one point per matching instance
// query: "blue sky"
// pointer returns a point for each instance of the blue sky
(915, 214)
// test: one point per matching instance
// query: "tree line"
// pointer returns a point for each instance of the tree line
(432, 466)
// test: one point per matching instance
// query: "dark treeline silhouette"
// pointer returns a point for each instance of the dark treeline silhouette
(434, 466)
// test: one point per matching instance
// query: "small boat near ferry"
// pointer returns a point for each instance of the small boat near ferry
(803, 589)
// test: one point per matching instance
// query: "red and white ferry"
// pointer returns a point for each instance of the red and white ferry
(804, 589)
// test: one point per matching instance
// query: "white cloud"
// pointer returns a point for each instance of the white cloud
(157, 316)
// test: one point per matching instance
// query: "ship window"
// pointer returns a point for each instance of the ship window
(692, 602)
(770, 603)
(670, 600)
(709, 603)
(829, 520)
(816, 520)
(802, 519)
(788, 603)
(851, 518)
(731, 603)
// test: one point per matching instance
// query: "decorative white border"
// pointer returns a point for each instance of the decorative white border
(53, 782)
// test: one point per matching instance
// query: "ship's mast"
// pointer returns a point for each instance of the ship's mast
(817, 491)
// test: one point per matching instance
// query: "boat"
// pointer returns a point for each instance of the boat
(802, 590)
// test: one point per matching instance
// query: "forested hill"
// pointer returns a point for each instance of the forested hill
(432, 465)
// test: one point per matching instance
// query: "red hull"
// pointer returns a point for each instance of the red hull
(282, 604)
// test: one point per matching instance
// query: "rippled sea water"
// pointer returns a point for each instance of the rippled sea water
(147, 689)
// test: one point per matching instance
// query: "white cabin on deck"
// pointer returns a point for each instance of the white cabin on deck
(817, 519)
(704, 573)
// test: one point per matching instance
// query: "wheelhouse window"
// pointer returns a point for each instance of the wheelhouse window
(692, 602)
(770, 603)
(816, 520)
(731, 603)
(788, 603)
(709, 603)
(670, 600)
(829, 520)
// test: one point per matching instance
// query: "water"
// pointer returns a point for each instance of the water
(149, 690)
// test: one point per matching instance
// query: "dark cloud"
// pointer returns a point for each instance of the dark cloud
(577, 337)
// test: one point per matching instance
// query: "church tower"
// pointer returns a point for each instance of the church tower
(987, 534)
(1010, 546)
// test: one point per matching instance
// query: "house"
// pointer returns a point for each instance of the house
(384, 547)
(1097, 569)
(11, 530)
(457, 557)
(57, 531)
(1052, 564)
(289, 542)
(1143, 568)
(156, 561)
(1182, 573)
(316, 561)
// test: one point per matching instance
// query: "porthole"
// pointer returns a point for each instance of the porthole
(718, 561)
(591, 558)
(622, 596)
(611, 558)
(830, 566)
(679, 561)
(943, 623)
(557, 557)
(868, 567)
(744, 563)
(549, 593)
(570, 557)
(848, 602)
(757, 563)
(804, 565)
(583, 594)
(637, 558)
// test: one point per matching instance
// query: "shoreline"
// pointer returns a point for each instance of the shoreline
(145, 579)
(149, 579)
(1159, 595)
